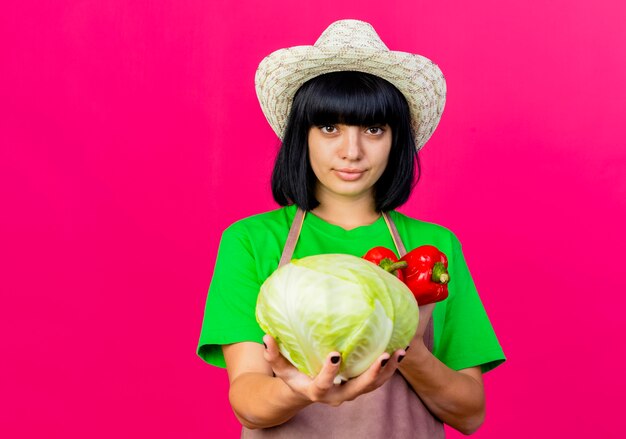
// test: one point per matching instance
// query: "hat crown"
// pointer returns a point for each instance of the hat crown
(350, 33)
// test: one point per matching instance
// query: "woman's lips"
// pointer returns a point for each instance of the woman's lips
(349, 174)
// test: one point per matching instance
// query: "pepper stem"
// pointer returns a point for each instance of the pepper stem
(440, 273)
(391, 266)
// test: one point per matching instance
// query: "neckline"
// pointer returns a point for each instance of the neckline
(359, 232)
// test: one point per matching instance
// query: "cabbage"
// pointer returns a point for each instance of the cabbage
(335, 302)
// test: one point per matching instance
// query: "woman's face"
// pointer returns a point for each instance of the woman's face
(348, 160)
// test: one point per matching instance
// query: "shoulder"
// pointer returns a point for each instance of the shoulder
(276, 219)
(261, 236)
(414, 223)
(418, 232)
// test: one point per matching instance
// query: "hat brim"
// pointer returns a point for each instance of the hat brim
(283, 72)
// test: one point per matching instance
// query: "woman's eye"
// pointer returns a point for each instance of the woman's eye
(328, 129)
(375, 130)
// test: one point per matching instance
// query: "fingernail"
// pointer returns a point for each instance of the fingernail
(400, 358)
(265, 345)
(335, 359)
(384, 362)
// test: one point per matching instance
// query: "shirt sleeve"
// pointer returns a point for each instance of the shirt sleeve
(467, 336)
(229, 315)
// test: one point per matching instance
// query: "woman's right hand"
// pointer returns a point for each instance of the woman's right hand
(322, 388)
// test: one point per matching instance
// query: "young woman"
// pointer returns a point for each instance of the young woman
(352, 116)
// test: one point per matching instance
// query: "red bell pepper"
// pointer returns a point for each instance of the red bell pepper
(427, 274)
(387, 260)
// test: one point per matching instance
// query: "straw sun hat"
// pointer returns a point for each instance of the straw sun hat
(351, 45)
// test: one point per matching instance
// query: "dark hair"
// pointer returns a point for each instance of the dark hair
(351, 98)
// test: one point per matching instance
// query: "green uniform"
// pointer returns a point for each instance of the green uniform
(250, 250)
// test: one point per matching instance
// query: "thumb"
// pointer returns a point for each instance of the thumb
(279, 364)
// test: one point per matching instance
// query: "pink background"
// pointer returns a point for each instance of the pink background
(130, 136)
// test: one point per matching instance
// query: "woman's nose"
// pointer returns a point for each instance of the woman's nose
(351, 145)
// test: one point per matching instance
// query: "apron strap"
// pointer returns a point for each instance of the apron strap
(292, 240)
(429, 333)
(394, 234)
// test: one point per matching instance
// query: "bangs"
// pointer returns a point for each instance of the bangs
(351, 98)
